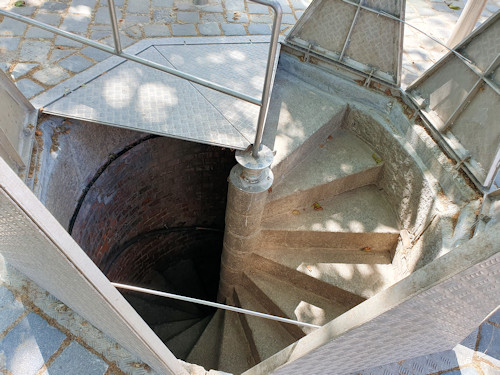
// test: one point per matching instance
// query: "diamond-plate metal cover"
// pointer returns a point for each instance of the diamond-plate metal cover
(355, 34)
(460, 97)
(138, 97)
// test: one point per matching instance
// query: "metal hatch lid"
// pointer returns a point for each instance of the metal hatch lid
(459, 97)
(364, 35)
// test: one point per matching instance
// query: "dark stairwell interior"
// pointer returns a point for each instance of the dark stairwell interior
(149, 213)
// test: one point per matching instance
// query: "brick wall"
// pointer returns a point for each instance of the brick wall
(160, 183)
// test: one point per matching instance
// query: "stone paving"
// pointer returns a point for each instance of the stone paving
(38, 60)
(39, 335)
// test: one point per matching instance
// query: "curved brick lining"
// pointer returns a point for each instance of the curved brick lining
(160, 183)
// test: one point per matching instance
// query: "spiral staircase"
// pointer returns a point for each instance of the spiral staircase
(328, 235)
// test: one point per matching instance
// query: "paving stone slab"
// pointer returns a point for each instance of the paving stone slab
(156, 30)
(213, 17)
(183, 30)
(35, 32)
(257, 8)
(77, 23)
(51, 75)
(95, 54)
(489, 343)
(34, 50)
(235, 5)
(30, 344)
(209, 29)
(58, 54)
(28, 87)
(53, 19)
(233, 29)
(134, 32)
(10, 27)
(237, 17)
(138, 6)
(125, 41)
(102, 15)
(9, 43)
(188, 17)
(163, 16)
(163, 3)
(212, 8)
(10, 309)
(23, 11)
(75, 63)
(75, 359)
(20, 70)
(259, 29)
(54, 6)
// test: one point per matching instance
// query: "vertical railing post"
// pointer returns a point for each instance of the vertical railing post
(275, 33)
(114, 26)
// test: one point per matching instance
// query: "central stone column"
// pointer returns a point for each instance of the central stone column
(249, 182)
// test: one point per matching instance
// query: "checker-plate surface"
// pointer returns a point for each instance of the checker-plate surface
(138, 97)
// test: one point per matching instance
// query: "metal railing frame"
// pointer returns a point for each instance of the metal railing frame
(213, 304)
(263, 102)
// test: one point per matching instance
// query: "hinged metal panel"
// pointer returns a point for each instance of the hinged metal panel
(460, 98)
(16, 124)
(34, 242)
(365, 35)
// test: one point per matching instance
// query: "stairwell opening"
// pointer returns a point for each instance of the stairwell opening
(148, 210)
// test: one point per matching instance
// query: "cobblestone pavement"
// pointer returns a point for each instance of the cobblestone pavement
(38, 60)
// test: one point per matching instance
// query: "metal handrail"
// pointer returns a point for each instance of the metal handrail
(213, 304)
(263, 102)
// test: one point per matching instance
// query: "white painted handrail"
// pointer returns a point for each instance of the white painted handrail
(213, 304)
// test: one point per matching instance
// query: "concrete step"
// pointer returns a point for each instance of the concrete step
(339, 163)
(307, 255)
(301, 116)
(306, 282)
(183, 342)
(168, 330)
(235, 355)
(297, 303)
(155, 314)
(265, 336)
(270, 307)
(357, 219)
(206, 350)
(357, 272)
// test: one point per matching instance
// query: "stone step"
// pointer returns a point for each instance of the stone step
(356, 272)
(339, 163)
(205, 352)
(183, 342)
(155, 314)
(235, 355)
(355, 220)
(270, 307)
(168, 330)
(297, 303)
(306, 282)
(301, 116)
(307, 255)
(267, 337)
